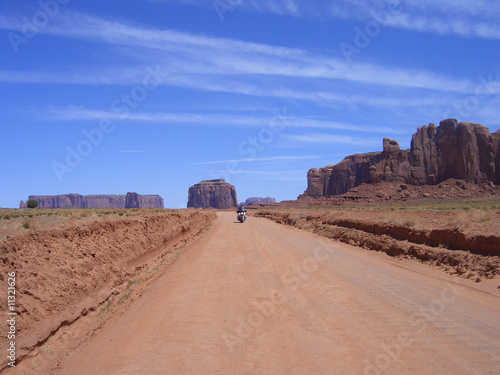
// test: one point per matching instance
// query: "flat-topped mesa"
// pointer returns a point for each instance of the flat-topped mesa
(212, 194)
(132, 200)
(96, 201)
(150, 201)
(452, 150)
(259, 200)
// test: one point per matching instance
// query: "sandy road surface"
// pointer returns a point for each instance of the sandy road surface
(261, 298)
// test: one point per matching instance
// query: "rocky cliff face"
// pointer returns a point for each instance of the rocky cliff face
(452, 150)
(259, 200)
(212, 194)
(495, 153)
(150, 201)
(337, 179)
(60, 201)
(132, 200)
(95, 201)
(463, 151)
(103, 201)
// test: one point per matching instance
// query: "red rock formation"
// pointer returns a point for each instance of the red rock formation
(494, 164)
(60, 201)
(212, 194)
(94, 201)
(393, 164)
(463, 151)
(150, 201)
(132, 200)
(453, 150)
(423, 156)
(259, 200)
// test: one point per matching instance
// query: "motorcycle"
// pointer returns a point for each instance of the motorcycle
(241, 217)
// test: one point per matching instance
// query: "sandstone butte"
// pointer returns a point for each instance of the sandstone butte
(212, 194)
(131, 200)
(259, 200)
(462, 151)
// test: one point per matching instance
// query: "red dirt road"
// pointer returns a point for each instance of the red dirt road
(262, 298)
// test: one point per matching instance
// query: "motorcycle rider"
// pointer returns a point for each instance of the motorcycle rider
(242, 211)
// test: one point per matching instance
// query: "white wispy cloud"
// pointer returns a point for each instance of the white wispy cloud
(277, 175)
(207, 119)
(322, 138)
(225, 64)
(231, 66)
(435, 24)
(272, 158)
(464, 18)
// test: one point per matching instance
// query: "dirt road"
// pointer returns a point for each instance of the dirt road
(261, 298)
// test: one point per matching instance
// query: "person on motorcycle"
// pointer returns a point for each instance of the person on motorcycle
(241, 211)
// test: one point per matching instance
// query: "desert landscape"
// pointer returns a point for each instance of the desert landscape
(391, 256)
(235, 187)
(93, 284)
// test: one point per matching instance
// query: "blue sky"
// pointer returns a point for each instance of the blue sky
(153, 96)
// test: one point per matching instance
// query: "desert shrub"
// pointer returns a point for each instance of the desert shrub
(410, 221)
(402, 219)
(26, 223)
(481, 216)
(32, 203)
(460, 218)
(6, 217)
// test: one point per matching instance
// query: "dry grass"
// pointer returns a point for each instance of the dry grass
(470, 216)
(475, 216)
(481, 216)
(21, 221)
(401, 218)
(481, 204)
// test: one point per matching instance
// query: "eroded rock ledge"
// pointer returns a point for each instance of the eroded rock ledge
(461, 151)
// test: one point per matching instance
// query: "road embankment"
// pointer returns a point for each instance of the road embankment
(62, 274)
(472, 256)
